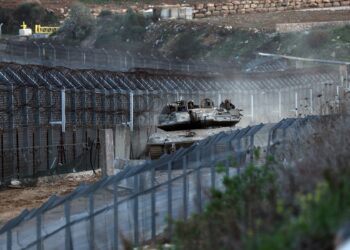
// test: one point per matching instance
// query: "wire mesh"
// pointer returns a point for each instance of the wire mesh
(137, 204)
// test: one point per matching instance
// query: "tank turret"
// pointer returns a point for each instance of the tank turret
(183, 123)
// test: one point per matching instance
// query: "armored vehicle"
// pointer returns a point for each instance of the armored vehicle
(182, 123)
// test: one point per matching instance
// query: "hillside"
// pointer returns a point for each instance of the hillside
(235, 38)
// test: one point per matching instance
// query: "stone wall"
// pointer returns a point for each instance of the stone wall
(200, 10)
(249, 6)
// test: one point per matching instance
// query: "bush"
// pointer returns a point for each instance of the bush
(105, 13)
(186, 46)
(317, 39)
(127, 31)
(277, 206)
(343, 33)
(79, 23)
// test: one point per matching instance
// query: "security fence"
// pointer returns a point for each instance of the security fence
(139, 203)
(40, 53)
(51, 117)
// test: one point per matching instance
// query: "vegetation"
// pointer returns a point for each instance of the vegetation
(301, 205)
(123, 32)
(79, 24)
(30, 13)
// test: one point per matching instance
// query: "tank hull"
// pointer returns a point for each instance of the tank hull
(197, 125)
(166, 142)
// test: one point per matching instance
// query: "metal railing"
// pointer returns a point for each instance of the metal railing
(139, 203)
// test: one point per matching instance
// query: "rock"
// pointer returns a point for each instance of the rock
(199, 15)
(199, 6)
(15, 183)
(345, 3)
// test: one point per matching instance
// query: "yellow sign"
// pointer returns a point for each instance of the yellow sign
(24, 25)
(45, 30)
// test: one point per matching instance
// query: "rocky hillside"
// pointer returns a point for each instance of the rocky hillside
(231, 38)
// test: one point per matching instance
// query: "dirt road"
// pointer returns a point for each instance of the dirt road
(14, 200)
(268, 21)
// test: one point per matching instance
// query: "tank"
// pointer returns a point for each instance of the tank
(183, 123)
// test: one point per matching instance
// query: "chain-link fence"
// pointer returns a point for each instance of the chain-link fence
(139, 203)
(102, 59)
(49, 115)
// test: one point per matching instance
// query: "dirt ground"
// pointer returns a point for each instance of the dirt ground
(268, 21)
(14, 200)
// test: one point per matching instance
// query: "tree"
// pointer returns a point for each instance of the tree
(79, 23)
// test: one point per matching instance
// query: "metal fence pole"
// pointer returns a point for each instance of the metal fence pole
(68, 235)
(279, 104)
(11, 127)
(153, 204)
(170, 210)
(185, 190)
(136, 211)
(9, 240)
(198, 183)
(212, 166)
(115, 217)
(296, 104)
(311, 102)
(92, 222)
(38, 232)
(252, 107)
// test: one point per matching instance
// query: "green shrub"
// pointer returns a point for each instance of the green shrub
(126, 32)
(281, 207)
(317, 39)
(343, 33)
(186, 46)
(105, 13)
(232, 214)
(79, 23)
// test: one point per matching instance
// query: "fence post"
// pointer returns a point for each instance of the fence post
(9, 240)
(11, 127)
(68, 239)
(170, 210)
(252, 107)
(212, 166)
(279, 104)
(296, 104)
(92, 222)
(198, 182)
(185, 195)
(136, 211)
(115, 217)
(311, 102)
(38, 232)
(153, 204)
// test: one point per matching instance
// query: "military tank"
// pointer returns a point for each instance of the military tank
(183, 123)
